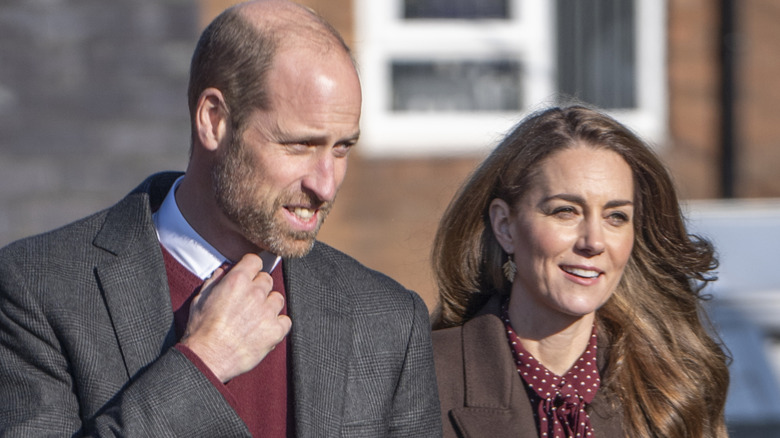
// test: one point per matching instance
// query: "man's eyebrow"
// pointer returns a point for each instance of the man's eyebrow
(350, 139)
(317, 139)
(353, 138)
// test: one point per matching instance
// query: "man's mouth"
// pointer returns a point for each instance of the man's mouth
(581, 272)
(303, 213)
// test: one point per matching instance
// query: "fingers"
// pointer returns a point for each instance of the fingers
(286, 323)
(247, 271)
(275, 302)
(283, 323)
(252, 264)
(215, 276)
(236, 319)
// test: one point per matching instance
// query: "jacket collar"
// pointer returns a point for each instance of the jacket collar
(496, 400)
(132, 278)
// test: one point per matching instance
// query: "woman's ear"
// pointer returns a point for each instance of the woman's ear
(500, 221)
(211, 119)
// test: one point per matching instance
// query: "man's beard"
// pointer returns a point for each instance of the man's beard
(233, 179)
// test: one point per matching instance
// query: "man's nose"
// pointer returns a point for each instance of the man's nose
(322, 179)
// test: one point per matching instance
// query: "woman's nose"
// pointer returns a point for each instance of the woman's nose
(591, 239)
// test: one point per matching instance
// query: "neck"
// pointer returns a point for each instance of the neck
(556, 344)
(196, 202)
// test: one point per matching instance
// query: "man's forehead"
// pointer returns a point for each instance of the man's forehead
(303, 67)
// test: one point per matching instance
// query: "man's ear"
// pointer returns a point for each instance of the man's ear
(500, 221)
(211, 119)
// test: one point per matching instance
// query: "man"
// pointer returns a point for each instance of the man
(107, 326)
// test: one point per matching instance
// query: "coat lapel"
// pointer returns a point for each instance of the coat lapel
(134, 283)
(496, 402)
(321, 340)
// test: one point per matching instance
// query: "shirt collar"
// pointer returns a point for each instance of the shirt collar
(187, 246)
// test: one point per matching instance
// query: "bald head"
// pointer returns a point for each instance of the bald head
(290, 23)
(237, 50)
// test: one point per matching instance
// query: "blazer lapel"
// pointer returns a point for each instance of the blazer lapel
(134, 283)
(321, 342)
(496, 402)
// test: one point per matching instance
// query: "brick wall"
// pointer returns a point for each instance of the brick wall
(693, 152)
(92, 99)
(758, 98)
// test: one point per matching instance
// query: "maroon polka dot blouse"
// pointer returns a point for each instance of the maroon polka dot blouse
(559, 401)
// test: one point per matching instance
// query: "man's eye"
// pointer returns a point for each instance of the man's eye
(343, 149)
(297, 146)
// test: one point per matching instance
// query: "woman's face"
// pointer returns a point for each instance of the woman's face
(571, 235)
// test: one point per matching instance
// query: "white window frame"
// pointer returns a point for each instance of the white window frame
(528, 36)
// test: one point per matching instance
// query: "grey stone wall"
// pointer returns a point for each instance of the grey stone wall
(92, 100)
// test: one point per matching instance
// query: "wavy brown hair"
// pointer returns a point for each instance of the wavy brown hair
(669, 374)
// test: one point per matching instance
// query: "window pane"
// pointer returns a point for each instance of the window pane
(457, 86)
(596, 57)
(466, 9)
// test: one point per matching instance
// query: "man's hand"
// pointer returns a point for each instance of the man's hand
(234, 320)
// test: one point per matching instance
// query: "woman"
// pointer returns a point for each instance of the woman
(569, 301)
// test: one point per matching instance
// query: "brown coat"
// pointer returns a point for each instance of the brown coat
(480, 391)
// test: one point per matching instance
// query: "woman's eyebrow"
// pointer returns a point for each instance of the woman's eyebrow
(577, 199)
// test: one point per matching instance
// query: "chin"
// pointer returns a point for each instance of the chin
(291, 249)
(579, 311)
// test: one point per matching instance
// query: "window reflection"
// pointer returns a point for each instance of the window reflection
(596, 55)
(456, 85)
(456, 9)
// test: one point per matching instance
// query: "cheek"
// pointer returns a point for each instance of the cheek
(622, 249)
(340, 171)
(276, 181)
(542, 244)
(275, 176)
(551, 242)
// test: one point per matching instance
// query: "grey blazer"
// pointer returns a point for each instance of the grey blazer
(481, 393)
(86, 330)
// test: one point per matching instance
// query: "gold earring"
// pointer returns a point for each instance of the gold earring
(510, 269)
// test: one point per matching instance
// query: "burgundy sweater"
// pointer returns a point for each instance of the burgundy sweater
(262, 397)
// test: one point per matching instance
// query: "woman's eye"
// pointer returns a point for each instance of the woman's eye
(618, 218)
(564, 211)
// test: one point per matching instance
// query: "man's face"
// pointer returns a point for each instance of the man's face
(277, 180)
